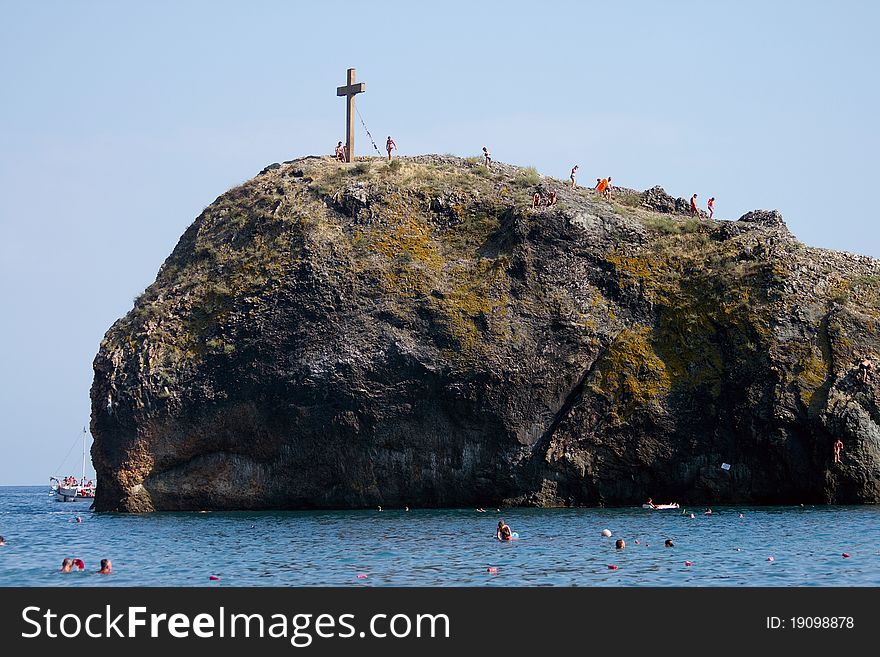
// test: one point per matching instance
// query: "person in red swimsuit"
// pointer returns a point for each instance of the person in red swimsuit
(711, 206)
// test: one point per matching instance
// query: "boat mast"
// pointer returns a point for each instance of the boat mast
(84, 457)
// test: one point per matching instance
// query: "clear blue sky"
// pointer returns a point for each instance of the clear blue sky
(120, 121)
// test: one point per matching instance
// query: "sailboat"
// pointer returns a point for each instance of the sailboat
(69, 489)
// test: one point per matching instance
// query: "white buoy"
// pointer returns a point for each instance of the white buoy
(606, 532)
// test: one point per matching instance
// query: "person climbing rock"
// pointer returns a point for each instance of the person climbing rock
(600, 187)
(389, 145)
(607, 191)
(487, 157)
(536, 200)
(552, 199)
(865, 366)
(711, 206)
(838, 446)
(695, 211)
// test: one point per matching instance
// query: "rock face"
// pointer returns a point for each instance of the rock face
(768, 218)
(347, 335)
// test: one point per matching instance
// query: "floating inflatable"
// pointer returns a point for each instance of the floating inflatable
(661, 507)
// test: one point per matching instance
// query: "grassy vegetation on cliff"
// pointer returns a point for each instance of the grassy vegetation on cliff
(421, 236)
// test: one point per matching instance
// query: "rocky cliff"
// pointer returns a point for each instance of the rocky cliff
(347, 335)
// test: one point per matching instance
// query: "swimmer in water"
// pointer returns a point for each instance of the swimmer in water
(68, 564)
(2, 541)
(481, 510)
(106, 567)
(707, 512)
(503, 532)
(620, 544)
(741, 515)
(669, 543)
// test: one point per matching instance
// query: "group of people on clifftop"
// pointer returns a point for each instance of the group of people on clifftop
(341, 152)
(695, 210)
(603, 185)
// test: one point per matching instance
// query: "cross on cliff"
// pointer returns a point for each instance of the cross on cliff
(349, 91)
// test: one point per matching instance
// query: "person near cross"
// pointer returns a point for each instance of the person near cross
(389, 145)
(487, 157)
(340, 152)
(349, 91)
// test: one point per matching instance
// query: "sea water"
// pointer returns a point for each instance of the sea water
(431, 547)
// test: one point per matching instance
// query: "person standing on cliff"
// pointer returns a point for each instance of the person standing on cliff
(340, 152)
(711, 207)
(389, 145)
(607, 191)
(487, 157)
(573, 176)
(695, 211)
(838, 446)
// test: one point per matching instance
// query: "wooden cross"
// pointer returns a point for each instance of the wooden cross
(349, 91)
